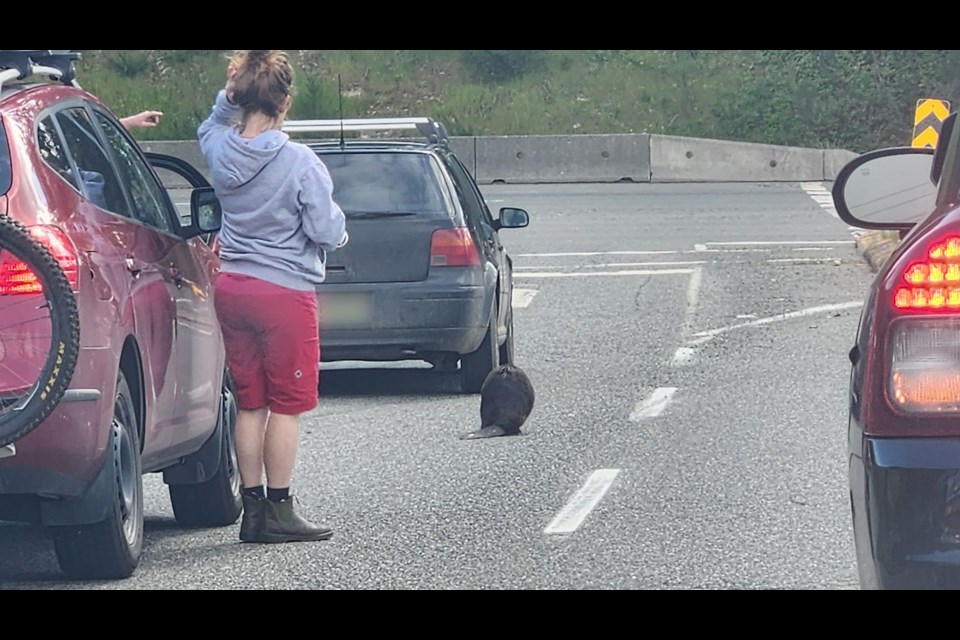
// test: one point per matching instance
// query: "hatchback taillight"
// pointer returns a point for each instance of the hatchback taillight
(453, 248)
(16, 278)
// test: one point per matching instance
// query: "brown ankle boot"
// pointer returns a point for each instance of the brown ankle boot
(282, 524)
(251, 526)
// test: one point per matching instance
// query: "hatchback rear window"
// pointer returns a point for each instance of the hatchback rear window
(386, 183)
(6, 174)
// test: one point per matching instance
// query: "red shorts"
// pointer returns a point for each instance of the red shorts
(272, 340)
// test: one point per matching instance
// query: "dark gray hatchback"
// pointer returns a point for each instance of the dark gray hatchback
(425, 275)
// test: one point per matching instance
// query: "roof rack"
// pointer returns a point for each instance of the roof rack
(19, 64)
(433, 131)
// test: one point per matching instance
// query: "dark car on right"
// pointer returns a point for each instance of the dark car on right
(425, 275)
(904, 401)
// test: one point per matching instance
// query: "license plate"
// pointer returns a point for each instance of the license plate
(345, 309)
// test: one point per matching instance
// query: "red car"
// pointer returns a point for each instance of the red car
(904, 414)
(150, 393)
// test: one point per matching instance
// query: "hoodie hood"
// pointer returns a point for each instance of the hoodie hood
(242, 159)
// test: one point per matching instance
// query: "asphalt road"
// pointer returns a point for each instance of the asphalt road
(688, 345)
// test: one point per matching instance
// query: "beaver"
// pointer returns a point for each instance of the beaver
(506, 401)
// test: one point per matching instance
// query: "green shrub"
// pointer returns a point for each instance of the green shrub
(129, 64)
(501, 65)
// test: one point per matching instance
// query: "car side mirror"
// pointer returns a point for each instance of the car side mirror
(939, 154)
(205, 213)
(886, 189)
(512, 218)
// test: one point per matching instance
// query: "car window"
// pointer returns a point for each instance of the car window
(178, 190)
(98, 180)
(469, 195)
(386, 183)
(6, 174)
(151, 205)
(53, 151)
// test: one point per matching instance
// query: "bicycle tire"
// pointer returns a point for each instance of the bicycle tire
(45, 394)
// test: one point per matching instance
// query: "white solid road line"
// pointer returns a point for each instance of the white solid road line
(654, 405)
(780, 318)
(583, 502)
(613, 265)
(765, 243)
(685, 355)
(802, 260)
(723, 247)
(591, 274)
(693, 296)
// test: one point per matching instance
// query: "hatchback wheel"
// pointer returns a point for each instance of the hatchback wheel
(476, 366)
(216, 502)
(111, 549)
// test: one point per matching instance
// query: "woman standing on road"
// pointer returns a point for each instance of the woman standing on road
(279, 222)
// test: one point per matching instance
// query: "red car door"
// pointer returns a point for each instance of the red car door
(198, 359)
(134, 257)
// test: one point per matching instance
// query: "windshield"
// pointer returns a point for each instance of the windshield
(6, 176)
(386, 184)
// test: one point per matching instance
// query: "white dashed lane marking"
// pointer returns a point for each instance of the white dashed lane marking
(523, 297)
(654, 405)
(583, 502)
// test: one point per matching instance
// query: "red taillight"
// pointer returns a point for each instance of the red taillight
(17, 279)
(908, 384)
(925, 365)
(932, 284)
(453, 248)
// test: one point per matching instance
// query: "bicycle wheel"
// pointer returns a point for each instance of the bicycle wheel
(39, 331)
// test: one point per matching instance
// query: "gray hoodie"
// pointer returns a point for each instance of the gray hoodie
(279, 217)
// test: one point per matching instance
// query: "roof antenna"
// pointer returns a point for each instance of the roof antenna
(343, 142)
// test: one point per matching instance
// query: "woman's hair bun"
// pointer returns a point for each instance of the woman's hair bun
(258, 56)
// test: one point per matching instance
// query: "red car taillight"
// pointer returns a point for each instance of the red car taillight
(924, 375)
(453, 248)
(911, 379)
(932, 283)
(17, 279)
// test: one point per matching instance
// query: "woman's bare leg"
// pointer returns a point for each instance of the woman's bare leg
(280, 449)
(249, 438)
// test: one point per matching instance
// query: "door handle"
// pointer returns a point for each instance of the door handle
(133, 266)
(175, 275)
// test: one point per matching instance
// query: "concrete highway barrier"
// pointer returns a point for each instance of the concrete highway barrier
(641, 158)
(559, 159)
(680, 159)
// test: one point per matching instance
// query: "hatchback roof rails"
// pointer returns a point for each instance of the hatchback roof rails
(20, 64)
(433, 131)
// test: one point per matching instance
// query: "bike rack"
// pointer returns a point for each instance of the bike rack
(433, 131)
(20, 64)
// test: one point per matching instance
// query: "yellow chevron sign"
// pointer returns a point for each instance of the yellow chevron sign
(928, 120)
